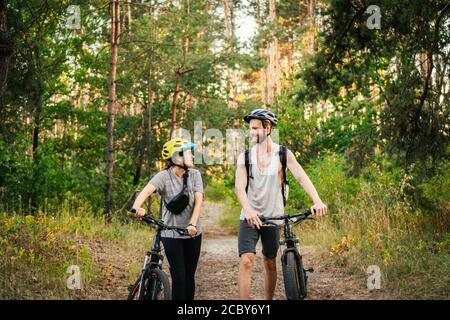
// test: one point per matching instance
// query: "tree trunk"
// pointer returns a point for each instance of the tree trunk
(262, 72)
(277, 72)
(178, 74)
(229, 33)
(115, 34)
(312, 21)
(37, 91)
(149, 127)
(174, 105)
(277, 68)
(301, 13)
(271, 78)
(129, 18)
(140, 152)
(6, 49)
(187, 40)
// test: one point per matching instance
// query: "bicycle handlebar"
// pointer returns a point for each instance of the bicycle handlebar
(292, 217)
(158, 223)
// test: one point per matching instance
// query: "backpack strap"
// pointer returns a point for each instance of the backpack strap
(160, 206)
(283, 160)
(248, 167)
(185, 179)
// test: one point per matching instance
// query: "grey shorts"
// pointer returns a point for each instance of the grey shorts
(248, 237)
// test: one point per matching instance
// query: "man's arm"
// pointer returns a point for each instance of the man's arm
(239, 188)
(300, 175)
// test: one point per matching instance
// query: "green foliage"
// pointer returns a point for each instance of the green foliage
(216, 192)
(366, 116)
(407, 117)
(372, 221)
(436, 188)
(329, 177)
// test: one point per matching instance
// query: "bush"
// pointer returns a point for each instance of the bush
(372, 220)
(35, 252)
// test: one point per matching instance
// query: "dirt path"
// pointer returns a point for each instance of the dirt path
(219, 264)
(217, 271)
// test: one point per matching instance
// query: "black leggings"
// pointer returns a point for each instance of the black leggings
(182, 255)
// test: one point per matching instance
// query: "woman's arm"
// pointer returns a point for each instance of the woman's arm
(198, 196)
(144, 194)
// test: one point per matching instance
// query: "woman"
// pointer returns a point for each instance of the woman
(182, 251)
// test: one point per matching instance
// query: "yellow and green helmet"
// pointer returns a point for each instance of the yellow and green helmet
(175, 145)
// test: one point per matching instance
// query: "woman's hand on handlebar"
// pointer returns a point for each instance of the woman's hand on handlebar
(192, 230)
(139, 213)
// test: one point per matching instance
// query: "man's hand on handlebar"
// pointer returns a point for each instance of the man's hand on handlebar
(319, 209)
(252, 217)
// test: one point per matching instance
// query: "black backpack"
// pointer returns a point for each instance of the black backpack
(283, 160)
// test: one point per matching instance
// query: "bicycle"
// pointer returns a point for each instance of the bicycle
(294, 275)
(153, 282)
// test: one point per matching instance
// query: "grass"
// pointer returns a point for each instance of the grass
(377, 224)
(372, 221)
(230, 219)
(36, 251)
(217, 192)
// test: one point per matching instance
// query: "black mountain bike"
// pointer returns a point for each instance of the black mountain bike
(294, 275)
(153, 283)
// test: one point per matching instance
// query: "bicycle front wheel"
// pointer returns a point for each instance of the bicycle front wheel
(294, 276)
(155, 286)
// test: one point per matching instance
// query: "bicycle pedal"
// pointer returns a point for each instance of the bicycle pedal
(309, 270)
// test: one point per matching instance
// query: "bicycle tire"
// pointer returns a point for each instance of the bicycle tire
(303, 278)
(158, 281)
(294, 276)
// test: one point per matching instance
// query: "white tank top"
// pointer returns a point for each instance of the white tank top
(264, 190)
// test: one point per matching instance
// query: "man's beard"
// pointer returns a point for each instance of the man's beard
(261, 138)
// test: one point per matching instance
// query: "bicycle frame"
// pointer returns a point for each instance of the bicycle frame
(292, 242)
(289, 237)
(153, 258)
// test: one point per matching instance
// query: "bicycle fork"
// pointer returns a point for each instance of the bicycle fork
(147, 256)
(291, 245)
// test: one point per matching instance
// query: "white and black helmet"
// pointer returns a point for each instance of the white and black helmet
(262, 114)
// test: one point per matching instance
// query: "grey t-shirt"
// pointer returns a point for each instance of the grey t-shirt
(168, 185)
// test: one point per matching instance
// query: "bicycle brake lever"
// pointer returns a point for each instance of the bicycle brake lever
(184, 232)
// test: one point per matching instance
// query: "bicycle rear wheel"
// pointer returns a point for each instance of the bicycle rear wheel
(155, 286)
(294, 276)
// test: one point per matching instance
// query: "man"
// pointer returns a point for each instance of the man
(264, 197)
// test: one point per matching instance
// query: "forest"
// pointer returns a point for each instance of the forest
(90, 90)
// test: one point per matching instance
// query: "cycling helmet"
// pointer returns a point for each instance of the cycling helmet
(175, 145)
(262, 114)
